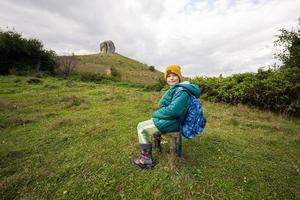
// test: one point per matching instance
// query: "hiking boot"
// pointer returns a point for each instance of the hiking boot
(157, 140)
(145, 161)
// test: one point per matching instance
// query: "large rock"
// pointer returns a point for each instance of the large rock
(107, 47)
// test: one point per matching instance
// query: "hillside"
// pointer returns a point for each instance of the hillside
(76, 140)
(130, 70)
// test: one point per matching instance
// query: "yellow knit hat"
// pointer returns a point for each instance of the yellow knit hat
(175, 69)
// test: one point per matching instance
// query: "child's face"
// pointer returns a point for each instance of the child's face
(172, 79)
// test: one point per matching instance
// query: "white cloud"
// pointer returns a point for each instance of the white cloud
(205, 37)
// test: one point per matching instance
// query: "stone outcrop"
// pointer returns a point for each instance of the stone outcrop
(107, 47)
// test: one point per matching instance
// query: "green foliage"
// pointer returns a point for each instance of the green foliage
(275, 90)
(91, 77)
(161, 83)
(152, 68)
(18, 54)
(290, 43)
(96, 78)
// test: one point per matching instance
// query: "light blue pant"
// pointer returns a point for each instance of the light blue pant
(145, 129)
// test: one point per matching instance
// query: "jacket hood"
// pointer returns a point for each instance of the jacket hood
(192, 88)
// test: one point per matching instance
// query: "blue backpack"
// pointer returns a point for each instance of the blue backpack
(194, 121)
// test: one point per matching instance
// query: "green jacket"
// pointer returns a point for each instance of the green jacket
(173, 109)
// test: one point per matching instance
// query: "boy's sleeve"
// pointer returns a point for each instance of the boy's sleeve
(176, 108)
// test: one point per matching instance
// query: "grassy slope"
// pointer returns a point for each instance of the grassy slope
(62, 140)
(131, 70)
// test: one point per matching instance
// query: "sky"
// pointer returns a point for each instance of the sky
(205, 37)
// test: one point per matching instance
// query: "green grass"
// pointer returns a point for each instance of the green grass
(131, 70)
(62, 140)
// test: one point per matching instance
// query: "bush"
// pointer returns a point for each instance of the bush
(275, 90)
(96, 78)
(161, 83)
(91, 77)
(152, 68)
(19, 55)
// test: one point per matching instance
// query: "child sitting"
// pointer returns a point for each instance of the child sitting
(168, 117)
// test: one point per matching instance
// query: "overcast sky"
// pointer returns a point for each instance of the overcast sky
(206, 37)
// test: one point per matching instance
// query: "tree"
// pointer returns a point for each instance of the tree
(20, 54)
(290, 42)
(67, 65)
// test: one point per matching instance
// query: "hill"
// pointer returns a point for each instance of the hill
(76, 140)
(130, 70)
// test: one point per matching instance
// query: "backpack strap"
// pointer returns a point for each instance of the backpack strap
(179, 89)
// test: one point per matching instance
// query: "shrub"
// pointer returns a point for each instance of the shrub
(96, 78)
(19, 55)
(91, 77)
(161, 83)
(275, 90)
(152, 68)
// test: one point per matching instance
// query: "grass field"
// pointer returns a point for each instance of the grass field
(75, 140)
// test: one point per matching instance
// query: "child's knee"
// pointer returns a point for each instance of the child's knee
(142, 125)
(139, 126)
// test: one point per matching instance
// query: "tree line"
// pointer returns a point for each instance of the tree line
(18, 54)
